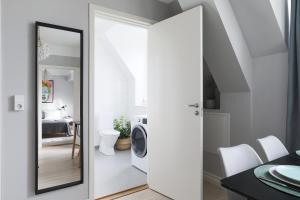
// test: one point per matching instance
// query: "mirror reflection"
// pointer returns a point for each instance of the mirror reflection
(59, 143)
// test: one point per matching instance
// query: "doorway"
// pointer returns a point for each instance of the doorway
(174, 113)
(120, 104)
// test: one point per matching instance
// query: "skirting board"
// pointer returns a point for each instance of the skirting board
(211, 178)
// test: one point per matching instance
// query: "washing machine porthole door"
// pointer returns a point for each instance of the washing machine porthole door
(139, 141)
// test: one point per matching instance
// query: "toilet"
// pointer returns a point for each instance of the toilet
(107, 141)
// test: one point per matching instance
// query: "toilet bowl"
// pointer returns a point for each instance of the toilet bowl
(107, 141)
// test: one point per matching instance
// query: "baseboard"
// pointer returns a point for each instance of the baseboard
(212, 178)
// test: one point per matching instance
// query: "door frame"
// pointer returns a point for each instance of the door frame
(99, 11)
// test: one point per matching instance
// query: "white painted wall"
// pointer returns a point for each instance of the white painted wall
(130, 43)
(112, 89)
(260, 27)
(120, 73)
(76, 94)
(18, 77)
(236, 38)
(63, 50)
(239, 105)
(63, 95)
(224, 39)
(270, 95)
(210, 90)
(280, 10)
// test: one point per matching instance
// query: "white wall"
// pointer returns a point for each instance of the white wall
(18, 77)
(223, 39)
(239, 105)
(258, 21)
(259, 113)
(63, 50)
(112, 88)
(63, 95)
(76, 94)
(120, 73)
(270, 95)
(280, 9)
(121, 37)
(236, 38)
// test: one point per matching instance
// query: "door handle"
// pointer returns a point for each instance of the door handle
(196, 105)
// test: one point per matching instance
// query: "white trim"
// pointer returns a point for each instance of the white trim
(121, 16)
(1, 117)
(92, 11)
(99, 11)
(211, 178)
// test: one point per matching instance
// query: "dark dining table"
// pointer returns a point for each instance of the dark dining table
(246, 184)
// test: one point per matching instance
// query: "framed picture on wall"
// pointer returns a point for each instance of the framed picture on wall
(47, 91)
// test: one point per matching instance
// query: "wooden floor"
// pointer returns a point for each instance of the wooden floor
(211, 192)
(56, 166)
(144, 195)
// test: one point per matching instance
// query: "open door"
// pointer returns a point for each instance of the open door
(175, 106)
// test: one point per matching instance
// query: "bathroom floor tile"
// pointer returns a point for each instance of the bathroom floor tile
(115, 173)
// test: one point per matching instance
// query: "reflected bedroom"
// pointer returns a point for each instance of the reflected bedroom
(58, 108)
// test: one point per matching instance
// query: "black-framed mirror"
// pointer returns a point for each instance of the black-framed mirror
(59, 128)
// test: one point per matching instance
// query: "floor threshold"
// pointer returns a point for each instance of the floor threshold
(124, 193)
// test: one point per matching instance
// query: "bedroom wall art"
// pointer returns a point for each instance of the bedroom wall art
(59, 141)
(47, 91)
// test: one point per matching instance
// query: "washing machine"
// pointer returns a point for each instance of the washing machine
(139, 143)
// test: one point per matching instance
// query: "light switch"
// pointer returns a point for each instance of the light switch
(19, 102)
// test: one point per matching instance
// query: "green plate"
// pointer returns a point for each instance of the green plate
(289, 171)
(263, 171)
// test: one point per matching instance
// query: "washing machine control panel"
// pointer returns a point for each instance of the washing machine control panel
(142, 120)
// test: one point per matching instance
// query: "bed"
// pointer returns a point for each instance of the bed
(55, 128)
(53, 125)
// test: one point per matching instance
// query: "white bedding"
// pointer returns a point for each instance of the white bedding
(53, 115)
(57, 141)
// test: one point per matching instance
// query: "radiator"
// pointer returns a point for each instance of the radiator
(216, 131)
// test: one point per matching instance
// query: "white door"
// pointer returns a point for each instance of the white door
(175, 106)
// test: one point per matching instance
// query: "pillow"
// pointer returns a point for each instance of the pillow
(53, 115)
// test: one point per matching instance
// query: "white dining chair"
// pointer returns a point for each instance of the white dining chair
(272, 147)
(238, 159)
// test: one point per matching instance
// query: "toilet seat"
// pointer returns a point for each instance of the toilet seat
(109, 132)
(107, 141)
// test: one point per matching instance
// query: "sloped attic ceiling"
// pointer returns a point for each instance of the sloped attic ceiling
(225, 49)
(236, 31)
(263, 24)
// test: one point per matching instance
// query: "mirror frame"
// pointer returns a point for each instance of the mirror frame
(57, 187)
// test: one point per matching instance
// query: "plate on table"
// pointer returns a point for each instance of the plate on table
(276, 175)
(289, 171)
